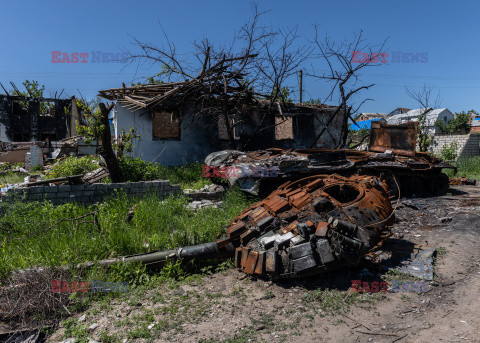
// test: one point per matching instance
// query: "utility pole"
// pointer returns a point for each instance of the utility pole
(300, 85)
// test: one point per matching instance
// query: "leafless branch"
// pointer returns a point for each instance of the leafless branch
(343, 74)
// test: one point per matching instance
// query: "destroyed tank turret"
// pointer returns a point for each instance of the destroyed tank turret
(311, 226)
(391, 157)
(306, 227)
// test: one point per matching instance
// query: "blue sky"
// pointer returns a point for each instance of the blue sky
(446, 31)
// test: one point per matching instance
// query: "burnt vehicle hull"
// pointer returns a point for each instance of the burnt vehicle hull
(306, 227)
(392, 157)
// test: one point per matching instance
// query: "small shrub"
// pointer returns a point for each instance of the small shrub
(449, 152)
(73, 166)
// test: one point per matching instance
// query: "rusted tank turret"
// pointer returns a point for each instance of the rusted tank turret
(311, 226)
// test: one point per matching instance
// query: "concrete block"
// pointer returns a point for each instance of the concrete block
(83, 199)
(89, 187)
(50, 189)
(17, 191)
(126, 185)
(36, 190)
(76, 188)
(38, 197)
(64, 188)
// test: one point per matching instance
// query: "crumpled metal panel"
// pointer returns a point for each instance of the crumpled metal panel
(310, 226)
(400, 139)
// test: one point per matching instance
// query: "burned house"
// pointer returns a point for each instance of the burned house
(29, 119)
(180, 122)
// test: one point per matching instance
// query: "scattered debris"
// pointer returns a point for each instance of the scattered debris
(25, 336)
(75, 146)
(462, 181)
(33, 181)
(93, 326)
(95, 176)
(420, 264)
(199, 204)
(406, 172)
(208, 192)
(445, 219)
(405, 257)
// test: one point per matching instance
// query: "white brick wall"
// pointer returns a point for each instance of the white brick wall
(467, 145)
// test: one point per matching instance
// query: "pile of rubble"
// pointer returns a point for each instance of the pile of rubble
(205, 197)
(205, 203)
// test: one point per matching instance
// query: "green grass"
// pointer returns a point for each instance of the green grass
(133, 170)
(72, 165)
(40, 234)
(467, 167)
(332, 301)
(187, 176)
(12, 178)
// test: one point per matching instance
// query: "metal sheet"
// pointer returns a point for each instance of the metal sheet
(400, 139)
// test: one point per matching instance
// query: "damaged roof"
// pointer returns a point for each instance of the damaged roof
(150, 95)
(146, 96)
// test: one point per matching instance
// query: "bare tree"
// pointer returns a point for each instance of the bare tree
(343, 72)
(221, 78)
(427, 101)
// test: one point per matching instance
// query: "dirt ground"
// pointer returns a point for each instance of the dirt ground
(229, 306)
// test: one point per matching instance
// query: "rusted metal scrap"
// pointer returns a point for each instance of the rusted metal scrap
(462, 181)
(400, 139)
(392, 157)
(310, 226)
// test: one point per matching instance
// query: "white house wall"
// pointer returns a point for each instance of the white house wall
(195, 143)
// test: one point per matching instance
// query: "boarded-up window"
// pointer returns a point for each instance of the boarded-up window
(283, 127)
(222, 128)
(164, 126)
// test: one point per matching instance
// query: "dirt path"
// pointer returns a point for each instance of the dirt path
(231, 307)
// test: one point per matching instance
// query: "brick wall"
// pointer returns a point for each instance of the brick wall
(90, 193)
(467, 145)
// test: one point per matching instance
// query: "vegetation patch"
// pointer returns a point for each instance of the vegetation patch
(41, 234)
(187, 176)
(333, 301)
(72, 165)
(467, 167)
